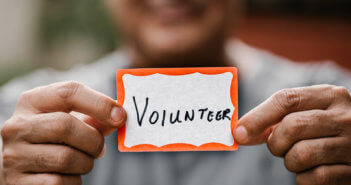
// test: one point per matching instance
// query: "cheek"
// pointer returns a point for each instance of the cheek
(129, 14)
(151, 36)
(222, 12)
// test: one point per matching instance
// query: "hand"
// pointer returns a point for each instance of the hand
(310, 127)
(43, 144)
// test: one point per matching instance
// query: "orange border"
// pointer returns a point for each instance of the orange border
(177, 71)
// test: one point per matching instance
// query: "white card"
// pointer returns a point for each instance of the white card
(179, 112)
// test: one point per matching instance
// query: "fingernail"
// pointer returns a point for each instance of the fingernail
(241, 134)
(117, 114)
(102, 152)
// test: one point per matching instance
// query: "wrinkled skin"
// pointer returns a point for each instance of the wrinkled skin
(310, 128)
(44, 144)
(47, 142)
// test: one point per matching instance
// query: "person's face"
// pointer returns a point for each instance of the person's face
(167, 30)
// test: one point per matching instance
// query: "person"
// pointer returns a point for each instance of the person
(55, 132)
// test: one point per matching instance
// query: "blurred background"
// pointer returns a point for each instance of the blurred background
(63, 33)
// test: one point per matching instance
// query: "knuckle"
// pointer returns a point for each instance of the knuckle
(9, 181)
(11, 128)
(287, 99)
(341, 121)
(273, 149)
(66, 90)
(77, 181)
(10, 158)
(295, 125)
(297, 156)
(341, 92)
(89, 165)
(65, 125)
(321, 175)
(303, 153)
(7, 131)
(10, 178)
(319, 115)
(326, 87)
(276, 146)
(292, 127)
(100, 141)
(25, 96)
(65, 159)
(301, 180)
(105, 105)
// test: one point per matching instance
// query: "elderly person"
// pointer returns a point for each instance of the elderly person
(55, 132)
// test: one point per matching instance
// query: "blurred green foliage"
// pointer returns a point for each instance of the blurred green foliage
(9, 72)
(62, 20)
(68, 18)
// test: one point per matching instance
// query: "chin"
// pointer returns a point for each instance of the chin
(172, 53)
(178, 47)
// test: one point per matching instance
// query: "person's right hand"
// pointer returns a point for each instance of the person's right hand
(43, 144)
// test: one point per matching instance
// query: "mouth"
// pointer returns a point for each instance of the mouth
(174, 11)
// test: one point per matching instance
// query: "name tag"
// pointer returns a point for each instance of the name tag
(178, 109)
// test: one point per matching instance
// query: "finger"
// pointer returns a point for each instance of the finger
(251, 126)
(326, 175)
(102, 153)
(63, 128)
(307, 154)
(68, 96)
(47, 179)
(94, 123)
(300, 126)
(47, 158)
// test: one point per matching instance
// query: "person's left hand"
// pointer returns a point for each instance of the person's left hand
(309, 127)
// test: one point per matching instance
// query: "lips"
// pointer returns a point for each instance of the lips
(173, 11)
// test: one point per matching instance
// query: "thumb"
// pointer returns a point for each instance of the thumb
(241, 135)
(104, 130)
(256, 126)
